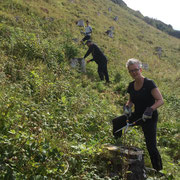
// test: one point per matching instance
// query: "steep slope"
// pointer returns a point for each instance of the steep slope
(167, 28)
(54, 120)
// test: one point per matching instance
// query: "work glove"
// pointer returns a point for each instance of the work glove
(147, 114)
(127, 110)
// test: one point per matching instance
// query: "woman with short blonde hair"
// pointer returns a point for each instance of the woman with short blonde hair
(146, 98)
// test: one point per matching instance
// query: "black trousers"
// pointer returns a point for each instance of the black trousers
(103, 72)
(87, 37)
(149, 129)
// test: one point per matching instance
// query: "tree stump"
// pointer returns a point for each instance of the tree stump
(80, 23)
(131, 160)
(116, 18)
(78, 63)
(109, 33)
(109, 9)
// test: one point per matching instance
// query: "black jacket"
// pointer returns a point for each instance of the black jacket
(97, 54)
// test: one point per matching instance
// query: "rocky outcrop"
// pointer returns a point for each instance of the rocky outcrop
(120, 2)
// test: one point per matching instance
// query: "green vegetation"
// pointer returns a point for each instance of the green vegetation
(162, 26)
(55, 120)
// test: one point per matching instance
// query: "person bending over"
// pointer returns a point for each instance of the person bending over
(99, 58)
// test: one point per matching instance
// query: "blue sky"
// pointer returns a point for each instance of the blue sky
(167, 11)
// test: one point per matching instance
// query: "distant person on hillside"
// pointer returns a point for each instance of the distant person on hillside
(99, 58)
(146, 98)
(87, 33)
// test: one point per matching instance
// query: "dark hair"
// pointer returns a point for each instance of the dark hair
(87, 21)
(88, 41)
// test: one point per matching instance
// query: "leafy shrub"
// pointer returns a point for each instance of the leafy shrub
(20, 44)
(70, 50)
(117, 78)
(121, 87)
(100, 87)
(30, 156)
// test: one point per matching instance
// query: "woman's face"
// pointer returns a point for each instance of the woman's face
(134, 71)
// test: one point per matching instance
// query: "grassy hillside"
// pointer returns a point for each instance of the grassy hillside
(167, 28)
(55, 120)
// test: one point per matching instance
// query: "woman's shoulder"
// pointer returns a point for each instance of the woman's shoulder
(149, 82)
(131, 84)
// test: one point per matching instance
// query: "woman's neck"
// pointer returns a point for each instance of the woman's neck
(139, 80)
(138, 84)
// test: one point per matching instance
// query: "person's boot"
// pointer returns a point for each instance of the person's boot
(157, 162)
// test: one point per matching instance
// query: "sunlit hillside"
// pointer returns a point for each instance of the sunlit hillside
(54, 120)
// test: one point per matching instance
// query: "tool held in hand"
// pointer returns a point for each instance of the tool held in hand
(127, 125)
